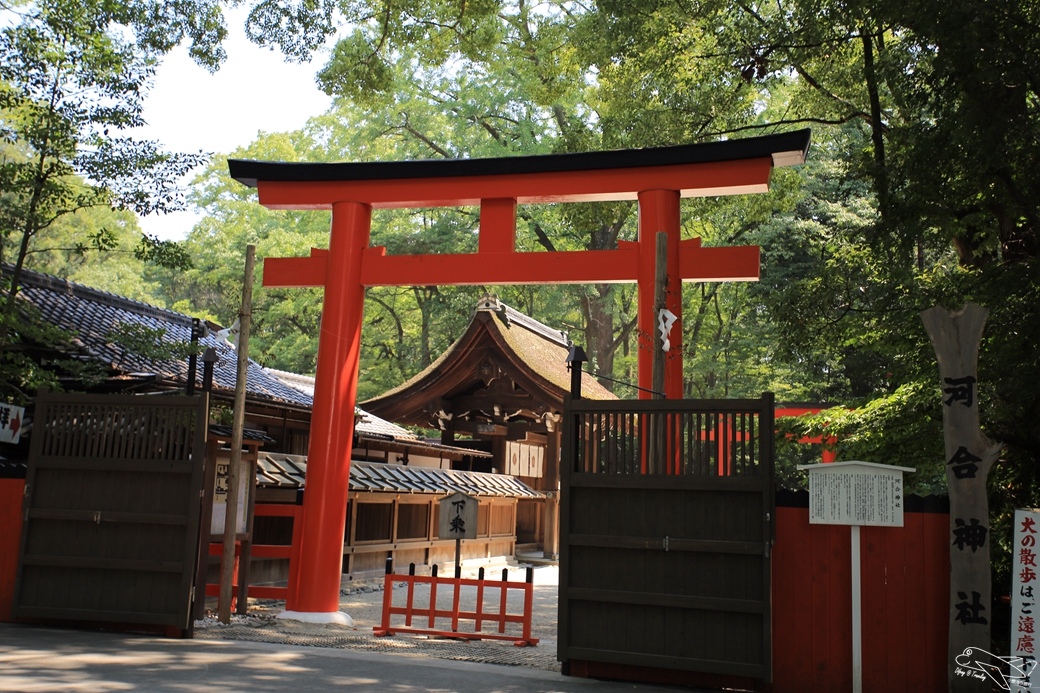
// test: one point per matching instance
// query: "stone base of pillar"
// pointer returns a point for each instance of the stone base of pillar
(317, 617)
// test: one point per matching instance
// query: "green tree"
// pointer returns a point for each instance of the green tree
(71, 86)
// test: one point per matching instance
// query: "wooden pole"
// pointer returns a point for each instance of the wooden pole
(660, 303)
(955, 335)
(227, 561)
(656, 462)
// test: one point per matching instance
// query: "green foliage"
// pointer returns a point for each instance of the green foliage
(920, 190)
(71, 87)
(168, 254)
(22, 372)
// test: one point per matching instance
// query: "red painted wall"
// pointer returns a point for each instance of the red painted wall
(905, 603)
(11, 492)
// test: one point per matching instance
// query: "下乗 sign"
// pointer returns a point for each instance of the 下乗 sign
(458, 517)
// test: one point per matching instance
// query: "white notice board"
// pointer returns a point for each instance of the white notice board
(856, 493)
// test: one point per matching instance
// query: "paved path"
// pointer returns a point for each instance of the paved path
(364, 605)
(52, 660)
(259, 653)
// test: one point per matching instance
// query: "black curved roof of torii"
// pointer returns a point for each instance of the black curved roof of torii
(786, 149)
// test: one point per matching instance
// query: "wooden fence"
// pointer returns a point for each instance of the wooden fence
(905, 598)
(486, 606)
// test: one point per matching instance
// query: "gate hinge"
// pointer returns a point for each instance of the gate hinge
(768, 544)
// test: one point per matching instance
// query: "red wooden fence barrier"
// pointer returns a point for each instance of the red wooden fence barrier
(478, 616)
(905, 598)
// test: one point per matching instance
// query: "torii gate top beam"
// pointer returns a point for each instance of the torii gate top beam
(714, 168)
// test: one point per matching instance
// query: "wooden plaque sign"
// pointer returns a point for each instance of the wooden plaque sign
(458, 517)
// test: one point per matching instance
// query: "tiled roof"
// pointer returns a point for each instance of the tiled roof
(289, 471)
(96, 319)
(368, 426)
(540, 349)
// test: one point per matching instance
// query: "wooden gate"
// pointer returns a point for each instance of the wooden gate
(665, 534)
(112, 510)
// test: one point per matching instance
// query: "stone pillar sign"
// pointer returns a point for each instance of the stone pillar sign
(970, 455)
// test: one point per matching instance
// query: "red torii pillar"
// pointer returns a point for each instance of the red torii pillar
(657, 178)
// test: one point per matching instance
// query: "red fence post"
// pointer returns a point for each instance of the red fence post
(478, 616)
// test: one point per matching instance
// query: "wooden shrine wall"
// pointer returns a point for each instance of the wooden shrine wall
(905, 598)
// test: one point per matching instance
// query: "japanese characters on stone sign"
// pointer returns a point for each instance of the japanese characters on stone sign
(963, 463)
(969, 533)
(1025, 597)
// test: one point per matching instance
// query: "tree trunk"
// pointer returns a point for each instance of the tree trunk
(969, 457)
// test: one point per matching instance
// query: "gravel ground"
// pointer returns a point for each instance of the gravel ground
(364, 604)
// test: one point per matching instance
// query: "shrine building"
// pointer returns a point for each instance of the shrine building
(502, 384)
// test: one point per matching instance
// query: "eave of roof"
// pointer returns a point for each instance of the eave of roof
(94, 316)
(289, 471)
(786, 149)
(537, 354)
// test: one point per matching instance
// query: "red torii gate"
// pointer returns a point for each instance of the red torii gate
(657, 178)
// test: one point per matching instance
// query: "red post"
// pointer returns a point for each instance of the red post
(323, 520)
(11, 493)
(497, 226)
(659, 211)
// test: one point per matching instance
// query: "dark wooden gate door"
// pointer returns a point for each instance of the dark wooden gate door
(665, 530)
(112, 510)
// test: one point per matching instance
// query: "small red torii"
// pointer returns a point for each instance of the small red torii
(656, 178)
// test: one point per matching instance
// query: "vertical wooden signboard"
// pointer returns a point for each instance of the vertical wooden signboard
(1025, 603)
(458, 521)
(955, 335)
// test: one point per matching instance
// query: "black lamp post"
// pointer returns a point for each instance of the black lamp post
(209, 359)
(198, 331)
(575, 357)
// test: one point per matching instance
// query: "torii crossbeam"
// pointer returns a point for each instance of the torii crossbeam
(655, 178)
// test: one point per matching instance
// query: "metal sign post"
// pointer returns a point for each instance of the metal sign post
(856, 493)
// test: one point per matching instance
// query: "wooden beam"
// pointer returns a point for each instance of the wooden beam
(736, 263)
(498, 225)
(709, 179)
(697, 264)
(567, 267)
(295, 272)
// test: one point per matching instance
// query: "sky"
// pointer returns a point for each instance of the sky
(188, 109)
